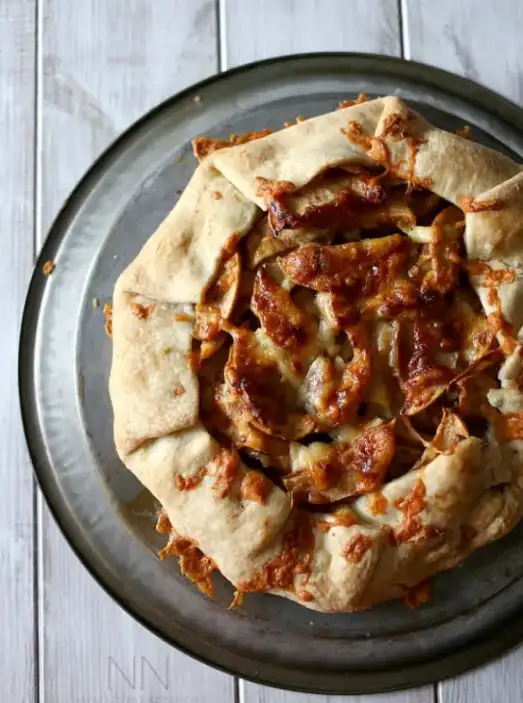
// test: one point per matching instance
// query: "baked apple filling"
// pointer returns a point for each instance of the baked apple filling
(337, 336)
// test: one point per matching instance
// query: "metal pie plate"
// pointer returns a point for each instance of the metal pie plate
(475, 612)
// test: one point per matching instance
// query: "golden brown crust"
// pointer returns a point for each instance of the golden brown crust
(462, 493)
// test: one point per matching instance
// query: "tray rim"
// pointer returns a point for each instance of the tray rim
(421, 673)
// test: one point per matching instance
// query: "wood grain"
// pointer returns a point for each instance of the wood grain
(479, 40)
(482, 41)
(257, 30)
(17, 88)
(253, 31)
(253, 693)
(103, 64)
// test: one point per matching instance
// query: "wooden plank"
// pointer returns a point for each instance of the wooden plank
(481, 41)
(17, 86)
(252, 31)
(102, 65)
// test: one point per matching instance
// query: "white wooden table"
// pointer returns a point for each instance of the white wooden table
(73, 74)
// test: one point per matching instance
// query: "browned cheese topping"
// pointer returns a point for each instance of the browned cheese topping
(355, 549)
(378, 504)
(203, 146)
(469, 204)
(189, 483)
(418, 595)
(163, 524)
(362, 98)
(197, 567)
(293, 559)
(108, 314)
(412, 529)
(226, 470)
(140, 311)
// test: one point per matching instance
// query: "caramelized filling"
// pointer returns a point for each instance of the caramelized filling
(327, 338)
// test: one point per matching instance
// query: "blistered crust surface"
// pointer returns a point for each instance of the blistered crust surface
(154, 390)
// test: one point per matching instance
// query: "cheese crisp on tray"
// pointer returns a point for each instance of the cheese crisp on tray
(316, 363)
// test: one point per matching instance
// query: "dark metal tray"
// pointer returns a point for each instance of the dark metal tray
(476, 610)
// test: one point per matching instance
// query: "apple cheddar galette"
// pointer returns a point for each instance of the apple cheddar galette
(317, 369)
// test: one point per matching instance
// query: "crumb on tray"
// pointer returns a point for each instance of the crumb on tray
(48, 268)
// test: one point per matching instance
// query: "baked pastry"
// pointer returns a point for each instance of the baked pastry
(317, 358)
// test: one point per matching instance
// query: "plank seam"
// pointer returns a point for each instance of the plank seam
(400, 28)
(236, 690)
(37, 133)
(221, 45)
(37, 693)
(403, 12)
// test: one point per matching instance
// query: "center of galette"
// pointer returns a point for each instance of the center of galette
(341, 345)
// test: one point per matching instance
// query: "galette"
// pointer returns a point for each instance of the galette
(317, 358)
